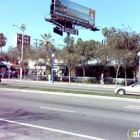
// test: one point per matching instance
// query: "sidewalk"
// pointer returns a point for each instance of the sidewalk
(63, 83)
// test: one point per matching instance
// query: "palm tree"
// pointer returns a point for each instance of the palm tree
(69, 41)
(3, 40)
(47, 47)
(47, 42)
(46, 39)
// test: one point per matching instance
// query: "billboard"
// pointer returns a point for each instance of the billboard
(18, 40)
(74, 12)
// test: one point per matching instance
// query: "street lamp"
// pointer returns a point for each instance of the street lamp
(53, 56)
(139, 67)
(22, 28)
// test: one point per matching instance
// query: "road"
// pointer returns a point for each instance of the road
(47, 116)
(63, 85)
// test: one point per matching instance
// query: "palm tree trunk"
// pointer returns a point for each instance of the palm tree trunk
(69, 75)
(117, 71)
(84, 73)
(125, 76)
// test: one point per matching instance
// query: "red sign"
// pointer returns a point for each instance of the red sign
(18, 40)
(2, 42)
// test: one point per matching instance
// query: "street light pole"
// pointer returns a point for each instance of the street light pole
(139, 68)
(23, 27)
(21, 69)
(53, 56)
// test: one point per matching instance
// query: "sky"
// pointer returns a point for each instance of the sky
(109, 13)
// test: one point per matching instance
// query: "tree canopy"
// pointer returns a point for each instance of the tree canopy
(119, 48)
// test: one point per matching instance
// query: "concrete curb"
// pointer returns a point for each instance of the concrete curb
(63, 83)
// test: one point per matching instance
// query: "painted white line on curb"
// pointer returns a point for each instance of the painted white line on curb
(69, 111)
(132, 107)
(53, 130)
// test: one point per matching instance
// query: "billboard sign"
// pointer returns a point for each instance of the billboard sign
(75, 12)
(18, 40)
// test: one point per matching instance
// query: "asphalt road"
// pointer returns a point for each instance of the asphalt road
(42, 116)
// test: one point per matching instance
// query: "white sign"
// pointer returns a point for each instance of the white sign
(23, 27)
(68, 30)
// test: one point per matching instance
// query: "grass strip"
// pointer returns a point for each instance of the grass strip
(69, 91)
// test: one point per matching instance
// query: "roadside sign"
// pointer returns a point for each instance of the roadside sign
(18, 40)
(23, 27)
(68, 30)
(58, 31)
(61, 29)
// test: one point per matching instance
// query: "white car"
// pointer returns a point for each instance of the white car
(132, 89)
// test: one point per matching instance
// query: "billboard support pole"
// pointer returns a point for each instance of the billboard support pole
(68, 38)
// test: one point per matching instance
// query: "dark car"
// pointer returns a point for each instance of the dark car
(14, 74)
(2, 74)
(6, 74)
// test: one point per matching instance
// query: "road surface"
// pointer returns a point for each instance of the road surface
(42, 116)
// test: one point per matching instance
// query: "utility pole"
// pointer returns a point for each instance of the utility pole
(36, 42)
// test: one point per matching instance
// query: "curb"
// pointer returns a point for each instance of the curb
(63, 83)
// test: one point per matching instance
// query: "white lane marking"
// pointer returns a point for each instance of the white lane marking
(55, 109)
(132, 107)
(50, 129)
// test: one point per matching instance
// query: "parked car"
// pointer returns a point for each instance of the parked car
(2, 74)
(131, 89)
(6, 74)
(14, 74)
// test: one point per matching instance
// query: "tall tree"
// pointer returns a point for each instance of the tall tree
(13, 54)
(85, 52)
(69, 58)
(71, 40)
(68, 55)
(47, 47)
(102, 55)
(123, 45)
